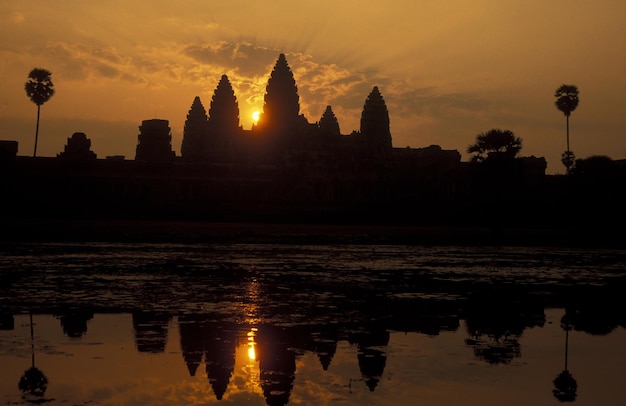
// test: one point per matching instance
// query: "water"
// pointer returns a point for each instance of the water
(344, 324)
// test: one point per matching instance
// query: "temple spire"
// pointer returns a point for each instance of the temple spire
(282, 103)
(223, 124)
(195, 132)
(224, 110)
(375, 122)
(328, 123)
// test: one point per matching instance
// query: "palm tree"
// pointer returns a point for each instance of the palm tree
(566, 102)
(565, 386)
(495, 140)
(40, 89)
(33, 382)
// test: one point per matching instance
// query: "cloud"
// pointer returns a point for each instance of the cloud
(82, 62)
(242, 58)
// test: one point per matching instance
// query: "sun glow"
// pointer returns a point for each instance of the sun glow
(255, 116)
(252, 344)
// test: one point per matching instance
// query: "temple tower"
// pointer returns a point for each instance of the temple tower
(281, 109)
(195, 133)
(78, 148)
(155, 141)
(328, 124)
(375, 122)
(223, 123)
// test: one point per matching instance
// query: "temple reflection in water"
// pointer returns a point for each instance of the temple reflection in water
(258, 324)
(265, 358)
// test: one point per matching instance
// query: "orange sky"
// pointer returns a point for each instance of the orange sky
(447, 70)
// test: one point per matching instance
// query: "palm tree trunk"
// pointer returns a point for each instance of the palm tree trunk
(566, 346)
(567, 130)
(32, 340)
(37, 131)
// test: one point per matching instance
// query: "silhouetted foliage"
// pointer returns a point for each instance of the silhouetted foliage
(565, 387)
(568, 159)
(596, 180)
(328, 123)
(195, 132)
(502, 142)
(33, 382)
(8, 151)
(566, 99)
(496, 319)
(375, 121)
(596, 168)
(39, 88)
(566, 102)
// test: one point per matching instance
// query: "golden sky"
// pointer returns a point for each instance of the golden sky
(447, 69)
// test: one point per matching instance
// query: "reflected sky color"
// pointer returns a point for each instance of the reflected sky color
(104, 367)
(177, 324)
(448, 70)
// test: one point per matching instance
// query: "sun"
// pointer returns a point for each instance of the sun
(255, 116)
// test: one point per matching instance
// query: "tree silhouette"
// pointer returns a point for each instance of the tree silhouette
(566, 102)
(568, 159)
(40, 89)
(502, 142)
(565, 386)
(33, 382)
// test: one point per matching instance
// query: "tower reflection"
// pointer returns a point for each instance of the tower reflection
(219, 354)
(151, 330)
(277, 364)
(372, 359)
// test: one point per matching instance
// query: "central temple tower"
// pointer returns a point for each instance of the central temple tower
(281, 110)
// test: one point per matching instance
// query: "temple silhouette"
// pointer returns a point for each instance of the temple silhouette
(286, 168)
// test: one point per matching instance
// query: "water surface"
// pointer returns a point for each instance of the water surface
(349, 324)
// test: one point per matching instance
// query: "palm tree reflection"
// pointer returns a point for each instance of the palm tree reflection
(33, 382)
(565, 385)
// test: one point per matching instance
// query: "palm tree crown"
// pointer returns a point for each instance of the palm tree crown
(40, 89)
(566, 102)
(566, 99)
(39, 86)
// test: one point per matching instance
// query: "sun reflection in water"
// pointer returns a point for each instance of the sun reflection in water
(251, 298)
(250, 363)
(252, 345)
